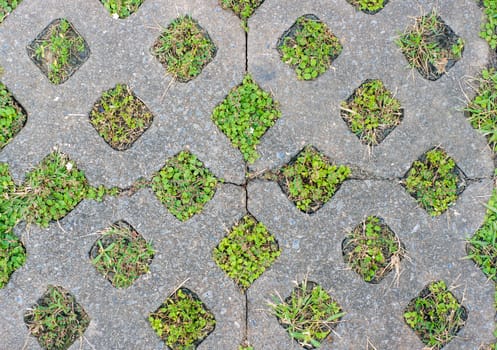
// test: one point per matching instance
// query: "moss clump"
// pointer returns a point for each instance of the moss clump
(122, 8)
(12, 116)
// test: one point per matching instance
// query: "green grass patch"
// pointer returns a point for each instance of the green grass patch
(182, 321)
(309, 314)
(246, 252)
(489, 26)
(431, 46)
(57, 320)
(482, 110)
(242, 8)
(434, 181)
(309, 47)
(121, 254)
(310, 179)
(120, 117)
(12, 116)
(436, 316)
(372, 249)
(372, 112)
(184, 185)
(59, 50)
(122, 8)
(482, 247)
(245, 115)
(184, 48)
(6, 7)
(369, 6)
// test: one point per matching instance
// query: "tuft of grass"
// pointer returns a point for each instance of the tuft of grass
(184, 48)
(184, 185)
(310, 180)
(371, 112)
(436, 316)
(434, 181)
(431, 46)
(121, 254)
(182, 321)
(120, 117)
(12, 116)
(489, 26)
(245, 115)
(372, 249)
(482, 247)
(309, 314)
(246, 252)
(59, 50)
(242, 8)
(309, 47)
(57, 320)
(122, 8)
(369, 6)
(482, 110)
(6, 7)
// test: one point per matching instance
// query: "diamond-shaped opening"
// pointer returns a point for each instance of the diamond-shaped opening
(370, 7)
(182, 321)
(53, 189)
(184, 48)
(246, 252)
(242, 8)
(435, 181)
(245, 115)
(57, 320)
(120, 117)
(435, 315)
(309, 314)
(6, 8)
(309, 47)
(372, 249)
(59, 50)
(122, 8)
(372, 112)
(121, 254)
(184, 185)
(310, 180)
(431, 46)
(482, 247)
(12, 116)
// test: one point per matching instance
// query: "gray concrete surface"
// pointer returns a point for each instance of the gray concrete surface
(311, 244)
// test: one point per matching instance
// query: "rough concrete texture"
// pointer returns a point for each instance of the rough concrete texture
(311, 244)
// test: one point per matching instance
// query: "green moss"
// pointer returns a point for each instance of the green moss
(371, 112)
(310, 180)
(369, 6)
(59, 51)
(120, 117)
(431, 46)
(121, 254)
(122, 8)
(242, 8)
(309, 314)
(184, 185)
(482, 110)
(435, 315)
(57, 320)
(489, 26)
(434, 181)
(12, 116)
(482, 247)
(372, 249)
(182, 321)
(6, 7)
(245, 115)
(246, 252)
(309, 47)
(184, 48)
